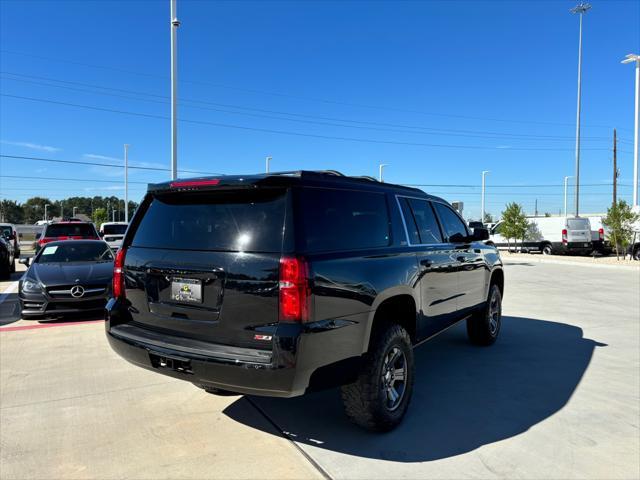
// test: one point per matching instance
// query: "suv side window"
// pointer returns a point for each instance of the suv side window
(409, 221)
(451, 223)
(335, 219)
(426, 221)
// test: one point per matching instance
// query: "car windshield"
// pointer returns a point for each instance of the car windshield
(76, 252)
(70, 230)
(578, 223)
(114, 229)
(5, 230)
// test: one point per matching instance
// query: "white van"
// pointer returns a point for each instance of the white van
(598, 235)
(550, 235)
(113, 233)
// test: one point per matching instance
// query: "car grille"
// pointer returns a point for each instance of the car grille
(88, 305)
(65, 291)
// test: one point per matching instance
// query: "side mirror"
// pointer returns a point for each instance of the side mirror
(458, 238)
(38, 235)
(25, 261)
(101, 234)
(480, 234)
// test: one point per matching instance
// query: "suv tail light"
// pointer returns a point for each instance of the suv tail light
(118, 275)
(564, 235)
(601, 233)
(44, 241)
(294, 289)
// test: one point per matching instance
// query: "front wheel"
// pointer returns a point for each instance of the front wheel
(483, 326)
(379, 398)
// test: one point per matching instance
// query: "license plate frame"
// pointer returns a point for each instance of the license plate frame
(186, 290)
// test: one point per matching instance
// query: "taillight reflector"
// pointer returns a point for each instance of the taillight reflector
(118, 275)
(294, 290)
(564, 235)
(601, 233)
(195, 183)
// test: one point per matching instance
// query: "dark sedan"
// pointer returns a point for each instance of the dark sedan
(66, 277)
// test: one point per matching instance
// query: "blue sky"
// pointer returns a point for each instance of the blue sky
(439, 91)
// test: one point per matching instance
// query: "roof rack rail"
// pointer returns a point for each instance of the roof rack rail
(367, 177)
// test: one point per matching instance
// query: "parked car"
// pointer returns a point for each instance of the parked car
(66, 277)
(68, 230)
(113, 233)
(7, 257)
(549, 235)
(601, 243)
(9, 231)
(279, 284)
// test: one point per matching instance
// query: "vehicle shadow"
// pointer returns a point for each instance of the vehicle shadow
(464, 396)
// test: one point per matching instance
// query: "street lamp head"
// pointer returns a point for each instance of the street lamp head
(632, 57)
(581, 8)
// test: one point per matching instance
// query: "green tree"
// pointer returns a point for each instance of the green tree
(33, 209)
(11, 212)
(619, 222)
(99, 216)
(515, 224)
(488, 218)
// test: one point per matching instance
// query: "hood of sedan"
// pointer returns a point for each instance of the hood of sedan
(81, 273)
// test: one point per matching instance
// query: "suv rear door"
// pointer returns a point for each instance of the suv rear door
(205, 265)
(438, 267)
(579, 231)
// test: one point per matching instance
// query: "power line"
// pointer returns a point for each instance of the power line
(297, 134)
(286, 95)
(68, 179)
(80, 162)
(329, 121)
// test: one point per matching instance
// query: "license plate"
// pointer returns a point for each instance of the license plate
(587, 244)
(186, 290)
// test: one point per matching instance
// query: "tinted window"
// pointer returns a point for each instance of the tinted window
(114, 229)
(451, 222)
(70, 230)
(76, 252)
(409, 220)
(343, 220)
(578, 224)
(426, 220)
(236, 221)
(6, 230)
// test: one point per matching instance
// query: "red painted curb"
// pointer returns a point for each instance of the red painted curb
(46, 325)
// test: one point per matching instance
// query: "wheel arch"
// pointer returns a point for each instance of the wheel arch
(399, 307)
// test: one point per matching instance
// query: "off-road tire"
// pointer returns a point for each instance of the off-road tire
(483, 326)
(365, 401)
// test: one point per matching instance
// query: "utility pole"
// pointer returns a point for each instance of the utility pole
(615, 169)
(380, 168)
(267, 161)
(580, 9)
(635, 58)
(74, 211)
(566, 180)
(46, 217)
(174, 89)
(536, 209)
(126, 183)
(484, 172)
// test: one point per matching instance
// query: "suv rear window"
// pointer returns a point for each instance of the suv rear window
(343, 220)
(232, 221)
(114, 229)
(70, 230)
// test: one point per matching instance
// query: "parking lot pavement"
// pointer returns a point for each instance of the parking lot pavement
(70, 408)
(556, 397)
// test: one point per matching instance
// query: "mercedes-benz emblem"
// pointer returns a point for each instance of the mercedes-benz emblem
(77, 291)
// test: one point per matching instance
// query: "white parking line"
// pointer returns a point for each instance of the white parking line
(13, 288)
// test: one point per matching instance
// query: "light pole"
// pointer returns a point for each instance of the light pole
(566, 179)
(380, 168)
(267, 161)
(635, 58)
(174, 89)
(484, 172)
(46, 217)
(126, 183)
(74, 211)
(580, 9)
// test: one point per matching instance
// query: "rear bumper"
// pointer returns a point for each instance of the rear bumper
(581, 248)
(301, 358)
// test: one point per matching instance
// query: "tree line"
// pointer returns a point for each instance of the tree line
(99, 209)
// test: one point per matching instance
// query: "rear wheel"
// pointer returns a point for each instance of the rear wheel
(379, 398)
(636, 252)
(483, 326)
(547, 249)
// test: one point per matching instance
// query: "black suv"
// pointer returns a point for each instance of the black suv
(284, 283)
